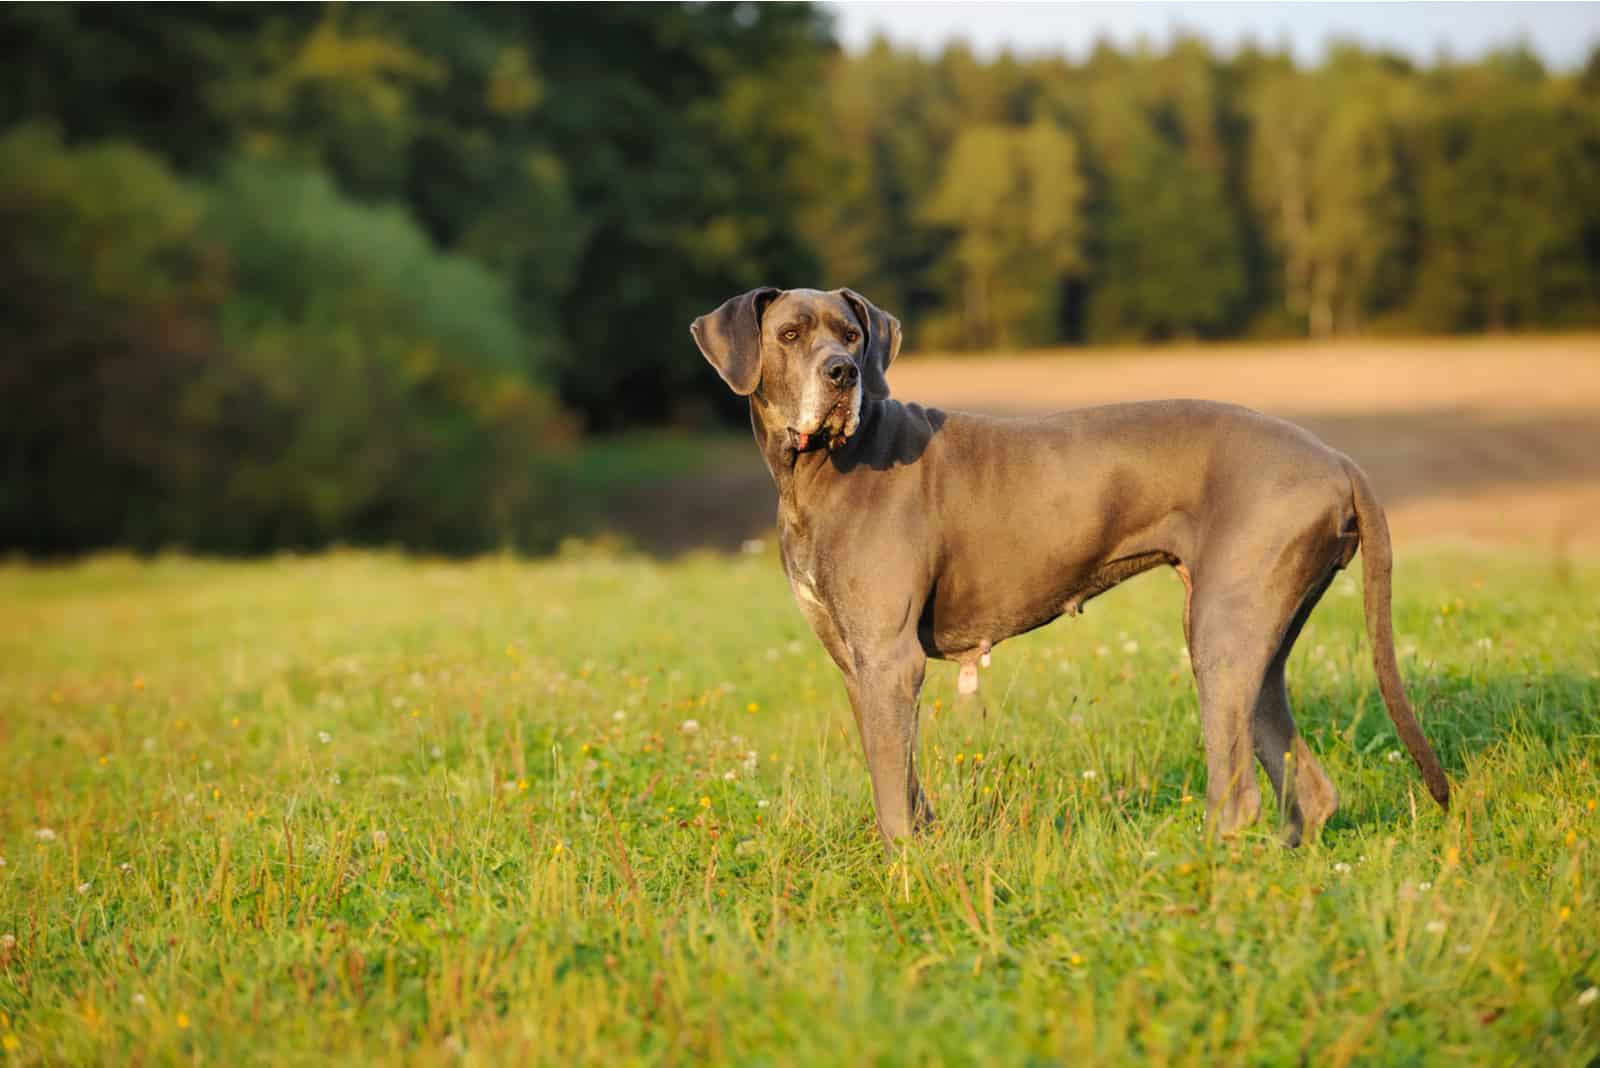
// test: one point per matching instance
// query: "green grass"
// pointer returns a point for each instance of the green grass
(373, 809)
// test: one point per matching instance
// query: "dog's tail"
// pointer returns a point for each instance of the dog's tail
(1376, 565)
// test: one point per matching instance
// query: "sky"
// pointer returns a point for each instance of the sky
(1562, 35)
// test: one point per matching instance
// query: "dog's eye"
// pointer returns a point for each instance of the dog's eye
(790, 334)
(852, 336)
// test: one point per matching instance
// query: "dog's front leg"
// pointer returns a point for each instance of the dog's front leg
(883, 694)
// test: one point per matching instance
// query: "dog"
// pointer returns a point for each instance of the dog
(908, 533)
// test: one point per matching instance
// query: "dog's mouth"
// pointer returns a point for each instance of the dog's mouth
(832, 432)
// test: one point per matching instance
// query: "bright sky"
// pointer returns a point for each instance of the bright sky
(1560, 34)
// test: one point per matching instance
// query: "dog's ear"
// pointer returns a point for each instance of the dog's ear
(730, 338)
(881, 347)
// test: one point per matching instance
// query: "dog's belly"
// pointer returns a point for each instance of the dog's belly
(968, 612)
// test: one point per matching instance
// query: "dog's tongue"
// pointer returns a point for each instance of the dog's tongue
(801, 440)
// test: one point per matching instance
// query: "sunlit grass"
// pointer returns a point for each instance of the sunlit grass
(603, 810)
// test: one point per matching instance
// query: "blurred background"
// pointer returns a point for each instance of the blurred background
(291, 276)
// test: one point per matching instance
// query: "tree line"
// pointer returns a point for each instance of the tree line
(284, 275)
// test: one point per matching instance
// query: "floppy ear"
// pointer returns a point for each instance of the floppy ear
(882, 344)
(730, 338)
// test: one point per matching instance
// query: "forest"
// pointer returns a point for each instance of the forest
(284, 276)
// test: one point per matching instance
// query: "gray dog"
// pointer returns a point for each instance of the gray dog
(908, 533)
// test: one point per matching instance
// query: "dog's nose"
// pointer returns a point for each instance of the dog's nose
(841, 371)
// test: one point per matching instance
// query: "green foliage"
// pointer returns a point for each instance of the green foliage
(1170, 246)
(362, 809)
(378, 390)
(109, 293)
(1508, 193)
(261, 363)
(1202, 197)
(265, 240)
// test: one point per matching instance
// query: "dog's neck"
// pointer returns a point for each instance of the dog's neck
(788, 465)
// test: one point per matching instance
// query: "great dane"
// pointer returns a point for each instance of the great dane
(908, 532)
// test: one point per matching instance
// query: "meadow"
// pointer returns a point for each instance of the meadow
(609, 809)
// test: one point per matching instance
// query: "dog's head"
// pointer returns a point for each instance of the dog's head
(810, 357)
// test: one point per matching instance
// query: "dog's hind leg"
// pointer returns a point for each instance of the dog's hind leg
(1245, 603)
(1306, 797)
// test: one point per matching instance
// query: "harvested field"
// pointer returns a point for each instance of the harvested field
(1488, 439)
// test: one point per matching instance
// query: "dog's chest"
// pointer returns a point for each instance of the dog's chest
(801, 565)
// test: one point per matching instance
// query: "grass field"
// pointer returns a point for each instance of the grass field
(606, 810)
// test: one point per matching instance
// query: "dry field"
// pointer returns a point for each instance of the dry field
(1488, 439)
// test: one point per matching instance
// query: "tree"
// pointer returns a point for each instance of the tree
(1168, 248)
(1326, 176)
(1508, 194)
(1012, 195)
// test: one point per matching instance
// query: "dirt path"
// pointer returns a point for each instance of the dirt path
(1483, 439)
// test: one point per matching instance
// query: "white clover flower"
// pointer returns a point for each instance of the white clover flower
(618, 716)
(1436, 926)
(1589, 996)
(124, 867)
(324, 737)
(762, 803)
(1341, 868)
(83, 888)
(380, 839)
(8, 940)
(436, 752)
(45, 834)
(1130, 646)
(1394, 756)
(138, 999)
(751, 760)
(1101, 650)
(335, 779)
(690, 726)
(730, 775)
(1090, 775)
(1424, 887)
(1485, 643)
